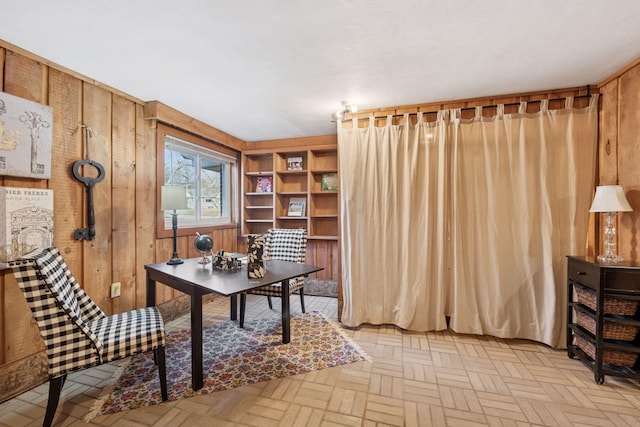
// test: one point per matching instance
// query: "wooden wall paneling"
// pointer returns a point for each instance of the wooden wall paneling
(608, 135)
(123, 196)
(628, 161)
(145, 199)
(65, 97)
(164, 249)
(310, 256)
(2, 280)
(96, 254)
(607, 158)
(23, 77)
(322, 257)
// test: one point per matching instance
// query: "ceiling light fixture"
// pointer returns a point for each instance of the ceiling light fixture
(345, 108)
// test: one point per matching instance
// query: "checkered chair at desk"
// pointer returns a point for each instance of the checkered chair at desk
(76, 332)
(286, 245)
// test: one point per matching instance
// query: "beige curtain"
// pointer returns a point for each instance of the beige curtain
(392, 189)
(521, 190)
(470, 219)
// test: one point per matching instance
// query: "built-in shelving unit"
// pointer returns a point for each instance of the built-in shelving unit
(297, 175)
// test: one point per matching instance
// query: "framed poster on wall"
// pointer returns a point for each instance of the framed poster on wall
(25, 137)
(26, 221)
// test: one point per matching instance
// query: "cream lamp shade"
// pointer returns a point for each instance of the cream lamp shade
(173, 197)
(610, 198)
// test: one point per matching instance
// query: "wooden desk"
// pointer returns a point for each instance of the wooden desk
(197, 280)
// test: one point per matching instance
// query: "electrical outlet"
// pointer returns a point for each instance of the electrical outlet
(115, 289)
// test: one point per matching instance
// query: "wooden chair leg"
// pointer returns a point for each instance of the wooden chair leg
(243, 305)
(158, 354)
(270, 304)
(302, 299)
(55, 387)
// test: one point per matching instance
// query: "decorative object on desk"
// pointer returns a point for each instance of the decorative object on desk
(297, 206)
(264, 184)
(255, 260)
(329, 182)
(233, 357)
(174, 197)
(26, 221)
(226, 262)
(294, 163)
(610, 199)
(203, 244)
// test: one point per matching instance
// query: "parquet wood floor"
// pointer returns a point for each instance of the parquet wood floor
(415, 379)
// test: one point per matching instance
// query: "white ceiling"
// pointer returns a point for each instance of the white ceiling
(260, 69)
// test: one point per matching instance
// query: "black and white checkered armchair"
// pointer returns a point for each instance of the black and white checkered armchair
(76, 332)
(286, 245)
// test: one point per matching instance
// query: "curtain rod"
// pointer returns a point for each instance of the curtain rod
(587, 95)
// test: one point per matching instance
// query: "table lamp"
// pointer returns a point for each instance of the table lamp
(174, 197)
(610, 199)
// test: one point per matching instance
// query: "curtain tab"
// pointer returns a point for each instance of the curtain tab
(568, 102)
(544, 105)
(523, 107)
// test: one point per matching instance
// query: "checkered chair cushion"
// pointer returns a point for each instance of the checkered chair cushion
(76, 332)
(286, 245)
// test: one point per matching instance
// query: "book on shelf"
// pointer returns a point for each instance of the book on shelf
(294, 163)
(329, 182)
(297, 206)
(264, 184)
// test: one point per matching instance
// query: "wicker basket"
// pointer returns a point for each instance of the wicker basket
(624, 307)
(610, 357)
(611, 330)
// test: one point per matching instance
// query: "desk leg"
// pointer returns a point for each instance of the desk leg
(151, 291)
(196, 341)
(286, 315)
(234, 306)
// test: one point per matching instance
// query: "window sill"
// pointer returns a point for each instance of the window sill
(191, 231)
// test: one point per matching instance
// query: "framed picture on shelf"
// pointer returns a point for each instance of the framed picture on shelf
(297, 206)
(294, 163)
(264, 184)
(329, 182)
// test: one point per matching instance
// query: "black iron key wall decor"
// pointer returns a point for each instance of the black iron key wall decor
(89, 232)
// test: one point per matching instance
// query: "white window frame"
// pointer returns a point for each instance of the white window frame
(196, 145)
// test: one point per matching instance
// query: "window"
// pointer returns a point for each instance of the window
(207, 173)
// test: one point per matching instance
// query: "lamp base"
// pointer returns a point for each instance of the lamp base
(175, 260)
(610, 258)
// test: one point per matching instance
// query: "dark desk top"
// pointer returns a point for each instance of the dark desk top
(209, 279)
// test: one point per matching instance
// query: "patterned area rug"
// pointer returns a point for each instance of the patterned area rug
(233, 357)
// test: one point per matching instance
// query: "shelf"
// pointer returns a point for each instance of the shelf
(254, 193)
(292, 193)
(259, 173)
(292, 172)
(259, 207)
(293, 218)
(320, 237)
(618, 371)
(256, 221)
(325, 216)
(324, 193)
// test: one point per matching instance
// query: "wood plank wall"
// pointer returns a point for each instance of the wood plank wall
(619, 151)
(123, 141)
